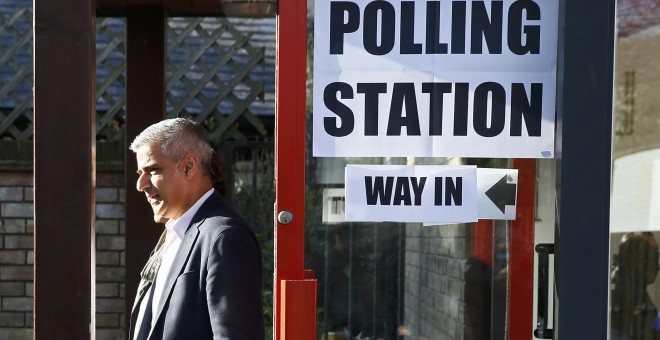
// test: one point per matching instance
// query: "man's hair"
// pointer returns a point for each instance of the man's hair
(178, 137)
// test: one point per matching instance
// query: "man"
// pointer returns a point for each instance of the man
(203, 280)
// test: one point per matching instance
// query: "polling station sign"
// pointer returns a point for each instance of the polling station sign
(399, 193)
(435, 78)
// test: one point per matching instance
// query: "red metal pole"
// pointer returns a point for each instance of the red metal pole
(482, 241)
(290, 140)
(521, 260)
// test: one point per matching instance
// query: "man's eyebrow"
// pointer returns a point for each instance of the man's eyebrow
(146, 166)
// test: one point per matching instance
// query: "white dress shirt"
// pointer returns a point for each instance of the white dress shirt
(176, 229)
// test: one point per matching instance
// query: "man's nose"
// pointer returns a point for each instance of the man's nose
(142, 182)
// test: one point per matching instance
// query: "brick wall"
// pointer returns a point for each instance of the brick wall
(435, 262)
(16, 255)
(110, 252)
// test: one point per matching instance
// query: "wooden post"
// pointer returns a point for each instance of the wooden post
(145, 105)
(64, 169)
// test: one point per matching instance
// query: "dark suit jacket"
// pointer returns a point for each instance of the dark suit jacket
(213, 290)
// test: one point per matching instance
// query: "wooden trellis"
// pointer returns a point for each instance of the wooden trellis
(217, 74)
(216, 82)
(16, 75)
(110, 78)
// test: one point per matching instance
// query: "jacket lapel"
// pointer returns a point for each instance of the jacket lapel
(180, 260)
(182, 255)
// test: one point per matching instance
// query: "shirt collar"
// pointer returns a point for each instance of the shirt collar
(180, 225)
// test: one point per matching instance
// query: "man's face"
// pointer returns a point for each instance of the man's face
(162, 181)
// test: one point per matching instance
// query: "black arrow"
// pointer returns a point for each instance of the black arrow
(502, 193)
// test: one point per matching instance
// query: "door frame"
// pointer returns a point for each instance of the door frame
(583, 153)
(294, 294)
(584, 167)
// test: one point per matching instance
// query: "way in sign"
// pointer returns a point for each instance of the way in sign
(407, 191)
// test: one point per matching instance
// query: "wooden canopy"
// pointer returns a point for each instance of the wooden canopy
(186, 8)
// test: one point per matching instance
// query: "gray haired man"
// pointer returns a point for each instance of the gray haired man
(203, 280)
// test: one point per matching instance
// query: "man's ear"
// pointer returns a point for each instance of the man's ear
(190, 166)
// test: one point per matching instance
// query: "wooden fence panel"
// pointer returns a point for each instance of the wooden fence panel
(220, 72)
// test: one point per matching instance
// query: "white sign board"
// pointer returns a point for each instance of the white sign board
(399, 193)
(435, 78)
(432, 194)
